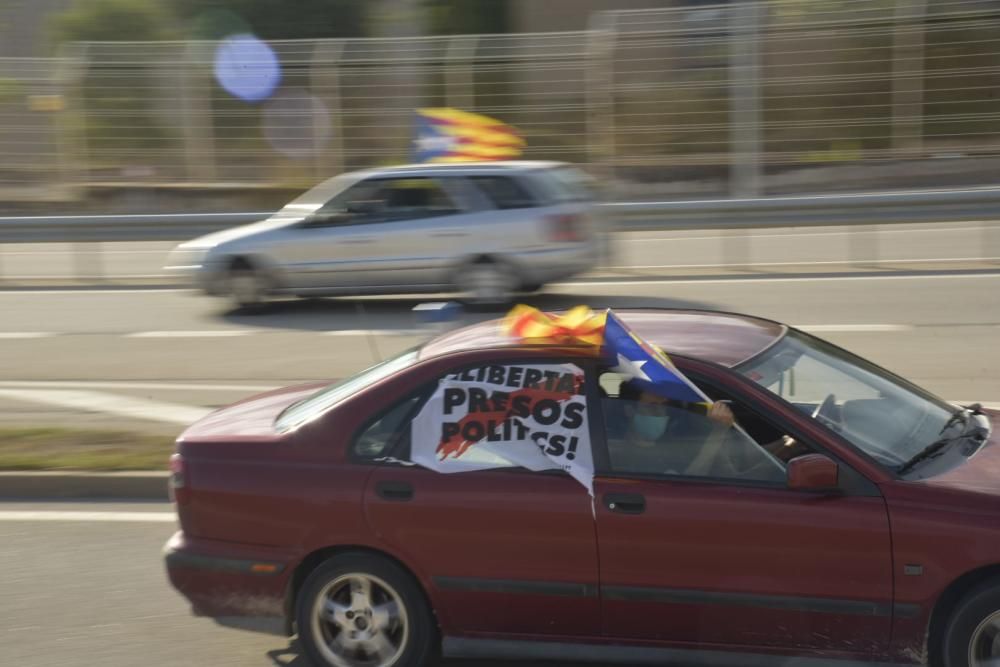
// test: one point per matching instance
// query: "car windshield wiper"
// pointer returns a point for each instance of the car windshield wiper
(961, 416)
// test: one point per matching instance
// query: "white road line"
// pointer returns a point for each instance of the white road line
(100, 384)
(209, 333)
(375, 332)
(721, 234)
(829, 328)
(133, 517)
(741, 280)
(123, 406)
(804, 263)
(9, 335)
(106, 290)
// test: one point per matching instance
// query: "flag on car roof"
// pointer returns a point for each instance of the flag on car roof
(451, 135)
(647, 366)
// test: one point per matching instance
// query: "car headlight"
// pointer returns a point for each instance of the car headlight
(186, 257)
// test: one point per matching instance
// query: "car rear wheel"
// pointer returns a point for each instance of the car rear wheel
(972, 638)
(487, 283)
(360, 610)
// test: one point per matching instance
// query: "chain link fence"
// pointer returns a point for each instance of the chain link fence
(742, 99)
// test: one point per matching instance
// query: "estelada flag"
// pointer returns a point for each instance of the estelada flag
(444, 134)
(647, 366)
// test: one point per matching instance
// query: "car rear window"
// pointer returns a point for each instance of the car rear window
(565, 184)
(309, 408)
(504, 192)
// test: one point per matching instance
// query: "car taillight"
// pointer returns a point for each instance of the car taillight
(179, 491)
(564, 227)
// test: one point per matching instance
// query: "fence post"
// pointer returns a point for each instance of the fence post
(459, 77)
(71, 139)
(600, 97)
(324, 80)
(744, 124)
(199, 135)
(908, 76)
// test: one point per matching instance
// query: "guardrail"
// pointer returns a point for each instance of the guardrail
(728, 214)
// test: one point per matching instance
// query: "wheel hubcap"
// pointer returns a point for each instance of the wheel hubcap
(487, 283)
(245, 287)
(984, 649)
(360, 621)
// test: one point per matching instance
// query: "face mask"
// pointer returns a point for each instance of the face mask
(650, 427)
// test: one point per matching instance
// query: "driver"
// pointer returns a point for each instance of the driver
(671, 437)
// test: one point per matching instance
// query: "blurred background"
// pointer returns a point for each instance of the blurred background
(831, 164)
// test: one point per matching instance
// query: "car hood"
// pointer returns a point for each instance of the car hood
(282, 218)
(252, 417)
(981, 472)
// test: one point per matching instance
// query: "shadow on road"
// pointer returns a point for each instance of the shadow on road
(339, 314)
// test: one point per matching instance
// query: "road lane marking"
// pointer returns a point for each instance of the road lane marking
(721, 234)
(641, 267)
(123, 406)
(128, 517)
(739, 280)
(102, 290)
(832, 328)
(99, 384)
(9, 335)
(208, 333)
(376, 332)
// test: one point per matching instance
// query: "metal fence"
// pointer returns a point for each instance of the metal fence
(743, 99)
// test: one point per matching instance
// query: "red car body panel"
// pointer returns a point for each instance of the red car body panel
(515, 554)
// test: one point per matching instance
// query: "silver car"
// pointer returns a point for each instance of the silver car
(486, 230)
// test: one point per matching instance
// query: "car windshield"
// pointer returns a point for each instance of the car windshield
(309, 408)
(315, 197)
(885, 416)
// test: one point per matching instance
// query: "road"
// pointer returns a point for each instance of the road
(77, 355)
(93, 593)
(909, 246)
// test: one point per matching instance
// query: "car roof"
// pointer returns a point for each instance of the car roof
(722, 338)
(490, 167)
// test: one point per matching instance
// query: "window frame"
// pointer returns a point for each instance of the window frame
(585, 364)
(392, 448)
(454, 196)
(536, 201)
(851, 481)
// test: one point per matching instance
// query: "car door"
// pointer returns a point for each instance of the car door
(740, 560)
(421, 221)
(504, 550)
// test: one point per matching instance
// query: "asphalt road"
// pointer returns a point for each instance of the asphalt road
(94, 594)
(963, 244)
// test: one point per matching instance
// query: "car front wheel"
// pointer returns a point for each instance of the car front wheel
(361, 610)
(972, 638)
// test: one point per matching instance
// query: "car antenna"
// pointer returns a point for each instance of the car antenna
(369, 334)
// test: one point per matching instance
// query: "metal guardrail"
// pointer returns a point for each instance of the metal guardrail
(854, 210)
(850, 209)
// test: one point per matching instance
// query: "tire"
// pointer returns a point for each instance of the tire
(246, 287)
(389, 626)
(972, 636)
(487, 283)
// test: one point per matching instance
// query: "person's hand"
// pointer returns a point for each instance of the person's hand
(720, 413)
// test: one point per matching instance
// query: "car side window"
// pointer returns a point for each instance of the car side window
(390, 430)
(648, 435)
(504, 192)
(412, 198)
(359, 200)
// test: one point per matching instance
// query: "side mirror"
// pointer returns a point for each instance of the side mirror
(812, 472)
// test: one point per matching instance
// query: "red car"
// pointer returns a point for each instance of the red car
(846, 514)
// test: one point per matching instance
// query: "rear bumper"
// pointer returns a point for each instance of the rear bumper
(225, 579)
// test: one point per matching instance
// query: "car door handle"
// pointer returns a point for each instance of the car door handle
(356, 241)
(395, 491)
(625, 503)
(450, 235)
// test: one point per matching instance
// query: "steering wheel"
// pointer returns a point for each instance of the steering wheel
(825, 415)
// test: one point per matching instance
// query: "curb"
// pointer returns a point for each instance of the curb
(136, 485)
